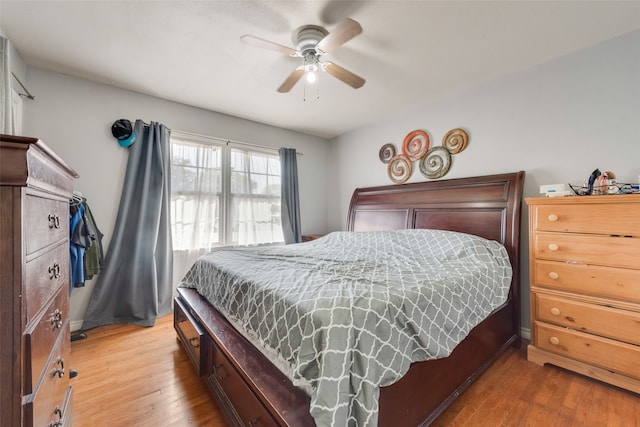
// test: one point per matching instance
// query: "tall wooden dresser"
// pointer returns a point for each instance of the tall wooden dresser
(35, 188)
(585, 286)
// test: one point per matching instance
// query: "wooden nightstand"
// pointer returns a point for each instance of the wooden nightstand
(585, 286)
(310, 237)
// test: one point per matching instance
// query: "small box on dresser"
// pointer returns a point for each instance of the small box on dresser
(35, 188)
(585, 286)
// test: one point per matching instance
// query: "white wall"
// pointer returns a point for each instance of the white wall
(19, 68)
(74, 117)
(558, 122)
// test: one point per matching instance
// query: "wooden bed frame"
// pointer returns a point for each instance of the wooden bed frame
(250, 391)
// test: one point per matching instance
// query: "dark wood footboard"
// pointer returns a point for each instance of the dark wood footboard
(247, 387)
(251, 391)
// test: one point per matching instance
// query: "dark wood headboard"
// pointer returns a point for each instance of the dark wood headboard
(487, 206)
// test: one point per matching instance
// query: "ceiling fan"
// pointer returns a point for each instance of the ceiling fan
(312, 42)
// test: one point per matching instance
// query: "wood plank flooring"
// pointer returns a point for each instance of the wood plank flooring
(131, 376)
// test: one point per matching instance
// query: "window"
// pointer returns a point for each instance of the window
(223, 195)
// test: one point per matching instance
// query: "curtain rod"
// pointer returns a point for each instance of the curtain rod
(227, 140)
(26, 95)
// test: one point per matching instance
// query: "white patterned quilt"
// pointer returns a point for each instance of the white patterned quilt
(349, 312)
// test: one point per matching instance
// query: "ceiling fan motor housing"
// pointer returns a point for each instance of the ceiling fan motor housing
(307, 37)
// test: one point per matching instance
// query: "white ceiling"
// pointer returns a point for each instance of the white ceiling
(410, 52)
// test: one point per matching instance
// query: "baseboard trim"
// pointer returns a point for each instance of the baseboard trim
(525, 333)
(76, 325)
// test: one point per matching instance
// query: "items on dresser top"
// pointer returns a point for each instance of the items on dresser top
(35, 186)
(585, 286)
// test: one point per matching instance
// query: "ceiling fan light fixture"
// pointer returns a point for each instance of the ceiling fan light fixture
(312, 77)
(311, 68)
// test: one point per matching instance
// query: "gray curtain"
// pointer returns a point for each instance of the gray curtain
(290, 201)
(135, 285)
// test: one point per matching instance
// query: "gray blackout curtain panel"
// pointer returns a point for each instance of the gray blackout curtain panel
(135, 285)
(289, 198)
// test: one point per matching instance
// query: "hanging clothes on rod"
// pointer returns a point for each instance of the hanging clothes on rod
(85, 242)
(94, 255)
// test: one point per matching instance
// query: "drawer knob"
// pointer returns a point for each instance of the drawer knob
(221, 372)
(59, 370)
(553, 247)
(59, 422)
(54, 271)
(195, 342)
(54, 221)
(554, 340)
(553, 275)
(552, 218)
(56, 319)
(555, 311)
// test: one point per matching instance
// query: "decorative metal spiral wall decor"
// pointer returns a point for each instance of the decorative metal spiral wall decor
(416, 144)
(399, 169)
(387, 152)
(433, 162)
(436, 163)
(455, 140)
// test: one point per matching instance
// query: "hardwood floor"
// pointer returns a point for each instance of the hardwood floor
(131, 376)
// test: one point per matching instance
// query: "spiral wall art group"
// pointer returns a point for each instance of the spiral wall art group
(433, 162)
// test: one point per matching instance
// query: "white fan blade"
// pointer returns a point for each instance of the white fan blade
(345, 31)
(343, 74)
(291, 81)
(266, 44)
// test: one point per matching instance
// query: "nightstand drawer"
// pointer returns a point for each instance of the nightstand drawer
(611, 282)
(588, 249)
(596, 218)
(607, 322)
(612, 355)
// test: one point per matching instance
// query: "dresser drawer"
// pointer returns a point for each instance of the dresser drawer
(196, 343)
(610, 282)
(43, 277)
(67, 410)
(607, 322)
(47, 221)
(588, 249)
(46, 405)
(612, 355)
(41, 336)
(590, 218)
(248, 408)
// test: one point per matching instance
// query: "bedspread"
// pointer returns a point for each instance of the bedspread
(349, 312)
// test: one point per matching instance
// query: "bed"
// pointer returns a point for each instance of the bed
(251, 390)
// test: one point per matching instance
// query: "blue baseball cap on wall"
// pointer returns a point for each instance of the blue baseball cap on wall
(123, 132)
